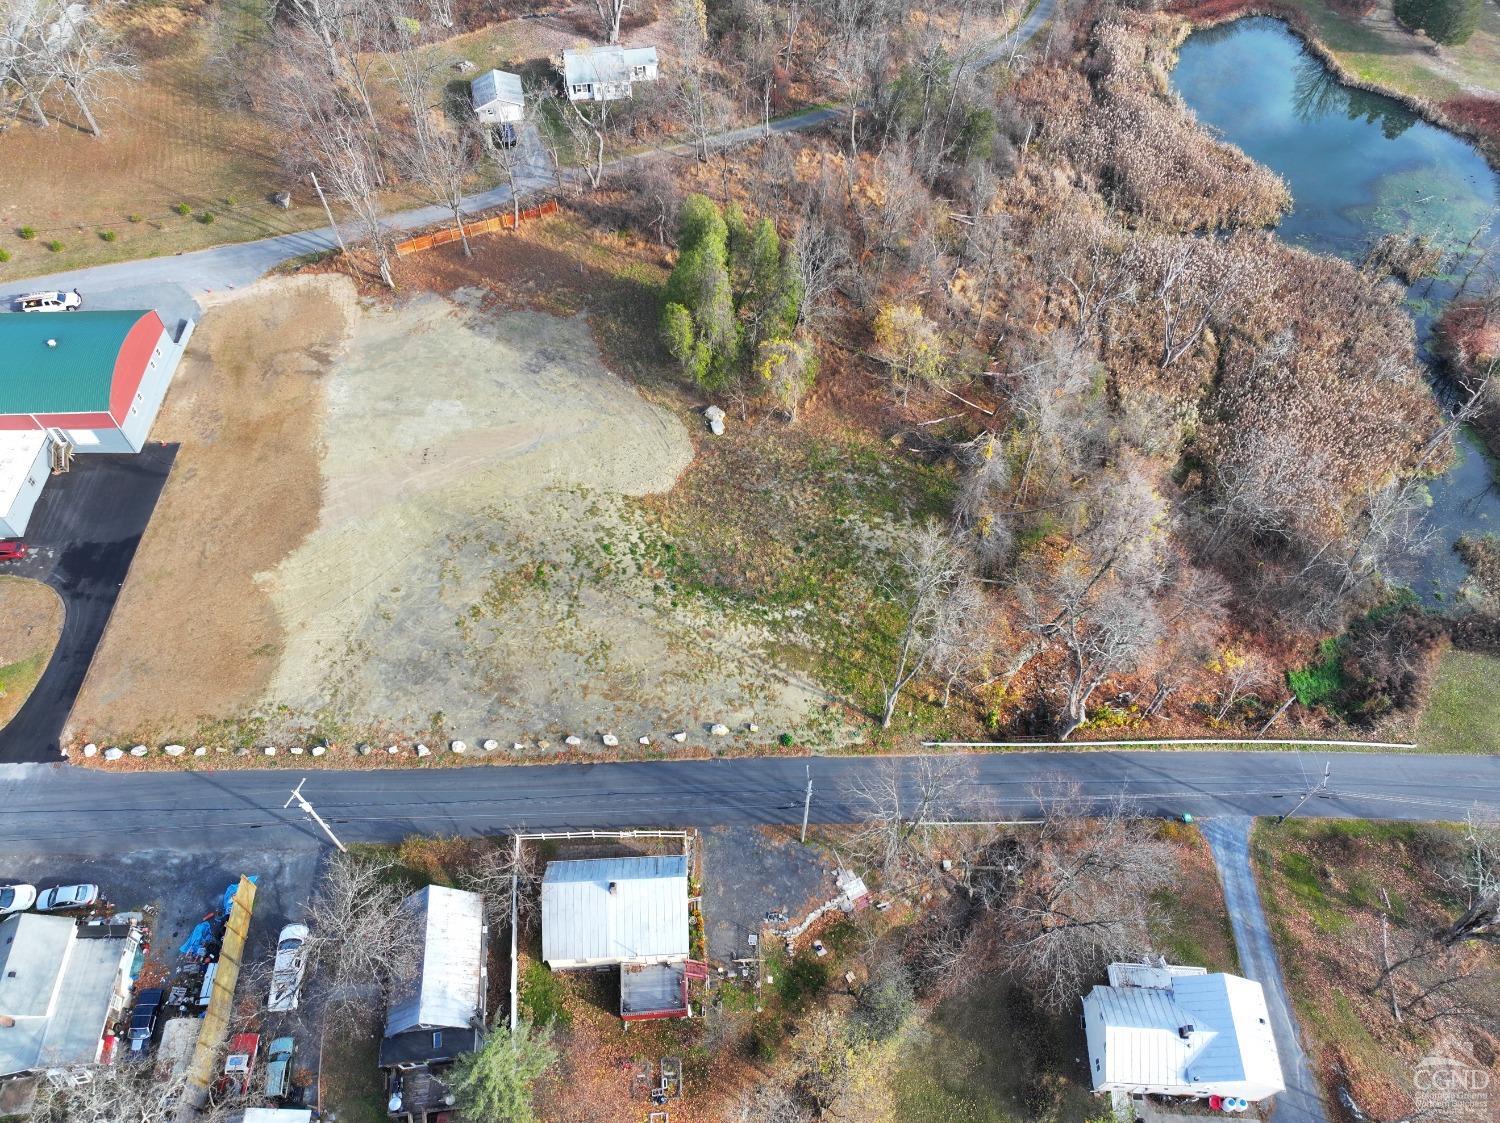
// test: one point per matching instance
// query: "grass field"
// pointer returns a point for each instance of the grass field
(1463, 711)
(1379, 51)
(33, 617)
(1331, 889)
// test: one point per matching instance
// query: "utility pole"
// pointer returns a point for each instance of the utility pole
(807, 804)
(297, 798)
(1317, 789)
(337, 236)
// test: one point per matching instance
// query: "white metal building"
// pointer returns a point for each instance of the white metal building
(497, 97)
(61, 984)
(606, 73)
(603, 911)
(1163, 1030)
(24, 468)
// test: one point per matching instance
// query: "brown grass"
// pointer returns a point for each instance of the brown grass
(243, 493)
(33, 616)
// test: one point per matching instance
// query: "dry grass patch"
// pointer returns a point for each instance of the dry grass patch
(33, 616)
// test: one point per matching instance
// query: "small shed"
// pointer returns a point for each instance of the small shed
(497, 97)
(607, 73)
(1165, 1030)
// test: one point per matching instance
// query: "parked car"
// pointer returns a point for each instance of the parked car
(505, 135)
(16, 898)
(279, 1071)
(61, 897)
(49, 302)
(143, 1019)
(12, 549)
(286, 973)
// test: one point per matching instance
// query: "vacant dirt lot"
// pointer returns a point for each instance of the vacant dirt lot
(413, 521)
(33, 617)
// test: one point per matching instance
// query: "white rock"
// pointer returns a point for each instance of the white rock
(221, 748)
(517, 746)
(459, 747)
(139, 750)
(113, 754)
(715, 418)
(610, 740)
(680, 736)
(270, 750)
(571, 740)
(201, 750)
(490, 744)
(719, 730)
(751, 727)
(91, 749)
(318, 750)
(645, 740)
(393, 749)
(423, 750)
(296, 750)
(175, 750)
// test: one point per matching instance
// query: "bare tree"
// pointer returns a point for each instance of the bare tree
(493, 873)
(25, 35)
(1080, 895)
(1241, 671)
(587, 126)
(1479, 879)
(895, 804)
(103, 1093)
(771, 1102)
(1102, 639)
(71, 46)
(610, 12)
(518, 162)
(933, 567)
(819, 256)
(361, 937)
(434, 152)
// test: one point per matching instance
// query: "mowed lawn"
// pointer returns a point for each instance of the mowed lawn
(1463, 712)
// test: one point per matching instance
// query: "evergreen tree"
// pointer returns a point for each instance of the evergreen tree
(493, 1085)
(1449, 22)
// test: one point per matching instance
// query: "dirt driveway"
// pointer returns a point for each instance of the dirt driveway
(413, 521)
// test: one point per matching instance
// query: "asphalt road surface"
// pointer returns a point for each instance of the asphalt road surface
(1229, 839)
(82, 539)
(55, 805)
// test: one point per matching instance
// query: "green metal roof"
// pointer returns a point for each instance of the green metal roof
(72, 377)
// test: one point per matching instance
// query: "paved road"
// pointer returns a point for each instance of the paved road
(232, 266)
(83, 536)
(49, 805)
(1229, 839)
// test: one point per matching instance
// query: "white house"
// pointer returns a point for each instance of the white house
(625, 912)
(497, 97)
(1163, 1030)
(606, 73)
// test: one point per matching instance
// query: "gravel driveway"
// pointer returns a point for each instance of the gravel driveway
(1229, 839)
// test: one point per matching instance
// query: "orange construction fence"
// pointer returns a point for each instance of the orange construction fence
(484, 226)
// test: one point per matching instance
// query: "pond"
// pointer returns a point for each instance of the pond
(1360, 166)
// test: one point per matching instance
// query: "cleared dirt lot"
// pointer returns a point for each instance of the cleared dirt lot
(412, 520)
(33, 617)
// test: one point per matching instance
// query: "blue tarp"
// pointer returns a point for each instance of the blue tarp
(229, 894)
(197, 941)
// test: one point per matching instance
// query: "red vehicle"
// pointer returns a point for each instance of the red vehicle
(240, 1063)
(12, 549)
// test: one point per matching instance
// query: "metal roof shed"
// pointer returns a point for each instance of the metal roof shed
(497, 97)
(449, 990)
(603, 911)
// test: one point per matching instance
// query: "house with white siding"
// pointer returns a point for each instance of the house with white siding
(606, 73)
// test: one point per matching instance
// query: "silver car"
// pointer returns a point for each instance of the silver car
(61, 897)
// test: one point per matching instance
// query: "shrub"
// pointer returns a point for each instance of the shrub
(132, 218)
(1449, 22)
(785, 740)
(27, 233)
(4, 256)
(231, 201)
(1386, 663)
(206, 217)
(542, 997)
(183, 209)
(107, 235)
(55, 246)
(801, 980)
(1319, 681)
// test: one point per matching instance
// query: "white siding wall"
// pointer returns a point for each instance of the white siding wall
(13, 519)
(148, 398)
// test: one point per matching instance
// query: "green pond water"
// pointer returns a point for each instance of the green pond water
(1359, 166)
